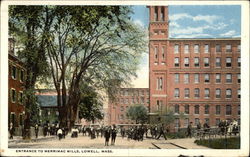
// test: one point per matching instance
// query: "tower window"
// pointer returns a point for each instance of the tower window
(162, 14)
(156, 14)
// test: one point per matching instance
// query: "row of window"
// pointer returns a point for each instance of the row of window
(133, 93)
(206, 78)
(196, 76)
(156, 13)
(197, 120)
(187, 49)
(16, 97)
(133, 100)
(218, 48)
(206, 62)
(207, 108)
(15, 120)
(218, 92)
(17, 74)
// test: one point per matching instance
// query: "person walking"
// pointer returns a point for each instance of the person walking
(11, 130)
(60, 133)
(107, 135)
(113, 135)
(161, 132)
(36, 130)
(189, 130)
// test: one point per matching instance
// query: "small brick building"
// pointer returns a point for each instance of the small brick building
(125, 98)
(197, 77)
(16, 107)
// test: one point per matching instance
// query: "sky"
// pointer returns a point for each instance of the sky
(191, 21)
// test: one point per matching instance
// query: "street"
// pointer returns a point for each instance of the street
(85, 142)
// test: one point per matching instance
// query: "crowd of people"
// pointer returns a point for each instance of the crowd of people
(136, 132)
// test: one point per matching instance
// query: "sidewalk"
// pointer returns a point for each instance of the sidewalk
(19, 139)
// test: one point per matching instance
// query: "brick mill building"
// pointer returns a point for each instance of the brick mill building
(124, 99)
(16, 107)
(197, 77)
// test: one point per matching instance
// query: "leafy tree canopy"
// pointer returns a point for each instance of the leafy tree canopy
(138, 112)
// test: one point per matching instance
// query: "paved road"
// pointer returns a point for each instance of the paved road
(86, 142)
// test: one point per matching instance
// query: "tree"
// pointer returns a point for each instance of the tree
(90, 106)
(138, 113)
(97, 44)
(24, 26)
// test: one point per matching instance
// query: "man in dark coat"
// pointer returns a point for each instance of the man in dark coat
(11, 130)
(113, 135)
(36, 130)
(189, 130)
(161, 132)
(107, 135)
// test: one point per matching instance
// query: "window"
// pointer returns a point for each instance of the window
(196, 48)
(239, 62)
(228, 62)
(206, 62)
(142, 100)
(186, 90)
(163, 52)
(196, 92)
(176, 48)
(238, 109)
(218, 48)
(176, 108)
(206, 48)
(196, 109)
(186, 49)
(217, 109)
(122, 108)
(217, 121)
(238, 93)
(229, 93)
(228, 48)
(159, 83)
(13, 72)
(177, 122)
(176, 62)
(21, 97)
(238, 78)
(196, 121)
(162, 14)
(186, 62)
(218, 93)
(186, 78)
(228, 78)
(21, 75)
(20, 119)
(207, 93)
(206, 111)
(217, 78)
(186, 109)
(196, 62)
(176, 78)
(176, 93)
(156, 13)
(186, 122)
(207, 121)
(196, 78)
(159, 105)
(218, 62)
(228, 109)
(238, 48)
(206, 78)
(156, 52)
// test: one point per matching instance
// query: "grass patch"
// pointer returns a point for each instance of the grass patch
(222, 143)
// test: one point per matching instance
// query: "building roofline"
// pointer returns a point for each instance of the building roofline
(204, 38)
